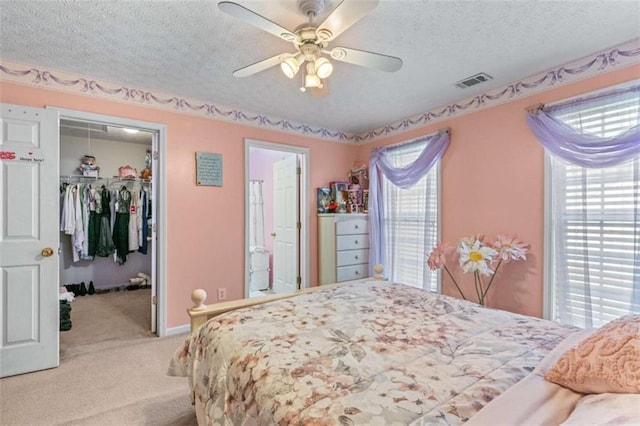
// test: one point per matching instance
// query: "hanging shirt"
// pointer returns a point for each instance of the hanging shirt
(78, 234)
(67, 217)
(84, 205)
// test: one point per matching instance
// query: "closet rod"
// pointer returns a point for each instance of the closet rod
(109, 182)
(108, 179)
(256, 180)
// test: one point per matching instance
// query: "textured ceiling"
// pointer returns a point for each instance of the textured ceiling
(190, 49)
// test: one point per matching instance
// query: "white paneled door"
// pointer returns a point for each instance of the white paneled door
(285, 224)
(29, 240)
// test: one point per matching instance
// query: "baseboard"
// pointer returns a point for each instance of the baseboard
(181, 329)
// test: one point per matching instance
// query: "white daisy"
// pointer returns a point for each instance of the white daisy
(476, 256)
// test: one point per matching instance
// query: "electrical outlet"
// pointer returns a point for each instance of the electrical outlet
(222, 293)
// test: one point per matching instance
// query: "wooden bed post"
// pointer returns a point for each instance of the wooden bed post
(197, 297)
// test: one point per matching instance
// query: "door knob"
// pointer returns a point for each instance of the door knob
(47, 252)
(273, 235)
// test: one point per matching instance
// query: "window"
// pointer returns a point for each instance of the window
(411, 224)
(594, 227)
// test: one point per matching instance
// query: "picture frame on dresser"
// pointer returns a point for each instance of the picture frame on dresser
(324, 198)
(339, 192)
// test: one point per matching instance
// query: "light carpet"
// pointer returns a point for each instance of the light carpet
(112, 372)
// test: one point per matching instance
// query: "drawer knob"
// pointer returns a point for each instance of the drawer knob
(356, 241)
(357, 272)
(356, 226)
(357, 257)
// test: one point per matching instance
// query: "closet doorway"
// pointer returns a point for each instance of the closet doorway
(276, 218)
(116, 276)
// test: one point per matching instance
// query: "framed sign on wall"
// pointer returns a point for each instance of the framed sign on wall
(208, 169)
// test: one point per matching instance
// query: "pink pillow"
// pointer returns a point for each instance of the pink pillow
(606, 361)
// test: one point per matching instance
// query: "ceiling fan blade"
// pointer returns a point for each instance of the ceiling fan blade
(259, 66)
(259, 21)
(343, 16)
(366, 59)
(320, 92)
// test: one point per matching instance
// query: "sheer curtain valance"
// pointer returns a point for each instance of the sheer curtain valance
(403, 177)
(586, 149)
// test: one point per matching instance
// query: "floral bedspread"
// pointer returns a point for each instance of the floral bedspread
(370, 353)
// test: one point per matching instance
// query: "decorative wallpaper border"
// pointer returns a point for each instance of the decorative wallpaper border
(621, 56)
(74, 83)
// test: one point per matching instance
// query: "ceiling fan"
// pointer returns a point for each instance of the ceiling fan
(311, 42)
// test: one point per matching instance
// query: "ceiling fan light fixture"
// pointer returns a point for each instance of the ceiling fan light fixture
(323, 67)
(290, 66)
(312, 80)
(311, 41)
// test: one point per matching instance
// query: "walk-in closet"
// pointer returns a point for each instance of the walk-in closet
(106, 228)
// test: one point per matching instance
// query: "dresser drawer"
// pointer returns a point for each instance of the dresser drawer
(352, 242)
(353, 272)
(352, 226)
(352, 257)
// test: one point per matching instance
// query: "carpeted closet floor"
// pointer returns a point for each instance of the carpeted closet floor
(112, 371)
(106, 319)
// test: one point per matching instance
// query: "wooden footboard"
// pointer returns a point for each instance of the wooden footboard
(199, 313)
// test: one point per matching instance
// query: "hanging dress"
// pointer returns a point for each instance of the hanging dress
(145, 224)
(134, 221)
(94, 221)
(105, 246)
(121, 225)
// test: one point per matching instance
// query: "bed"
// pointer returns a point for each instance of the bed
(372, 353)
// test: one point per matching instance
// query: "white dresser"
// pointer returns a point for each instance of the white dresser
(343, 247)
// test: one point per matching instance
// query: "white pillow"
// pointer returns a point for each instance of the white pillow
(606, 409)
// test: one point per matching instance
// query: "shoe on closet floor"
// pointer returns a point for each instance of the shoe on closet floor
(73, 288)
(92, 289)
(83, 289)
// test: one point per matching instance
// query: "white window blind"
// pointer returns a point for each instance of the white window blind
(411, 222)
(596, 224)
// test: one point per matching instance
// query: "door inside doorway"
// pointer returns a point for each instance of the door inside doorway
(276, 243)
(111, 271)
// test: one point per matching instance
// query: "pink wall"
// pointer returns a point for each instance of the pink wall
(205, 235)
(493, 182)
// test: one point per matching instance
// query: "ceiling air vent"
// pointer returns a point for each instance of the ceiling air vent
(473, 80)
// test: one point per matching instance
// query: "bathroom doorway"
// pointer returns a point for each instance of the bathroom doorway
(276, 217)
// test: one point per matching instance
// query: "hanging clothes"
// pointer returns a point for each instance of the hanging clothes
(84, 206)
(67, 217)
(121, 225)
(71, 220)
(144, 230)
(105, 246)
(77, 239)
(135, 221)
(94, 221)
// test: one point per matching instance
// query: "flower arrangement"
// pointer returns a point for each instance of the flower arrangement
(480, 257)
